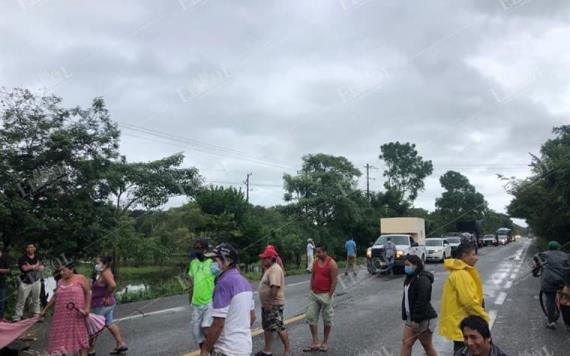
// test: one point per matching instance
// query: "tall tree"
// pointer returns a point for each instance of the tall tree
(405, 169)
(52, 160)
(459, 201)
(544, 198)
(149, 184)
(323, 188)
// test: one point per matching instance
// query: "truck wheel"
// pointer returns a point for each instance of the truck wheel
(444, 258)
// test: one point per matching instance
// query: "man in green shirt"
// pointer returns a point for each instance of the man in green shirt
(202, 273)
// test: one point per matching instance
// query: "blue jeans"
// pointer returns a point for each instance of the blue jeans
(2, 301)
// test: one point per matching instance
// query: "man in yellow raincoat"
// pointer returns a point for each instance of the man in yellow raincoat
(462, 295)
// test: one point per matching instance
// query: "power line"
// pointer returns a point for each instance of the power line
(205, 147)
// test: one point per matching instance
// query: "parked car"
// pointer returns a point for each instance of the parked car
(454, 242)
(503, 240)
(437, 249)
(488, 240)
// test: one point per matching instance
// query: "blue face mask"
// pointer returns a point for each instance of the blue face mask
(409, 270)
(215, 268)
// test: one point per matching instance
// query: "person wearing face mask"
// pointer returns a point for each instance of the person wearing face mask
(233, 308)
(202, 273)
(417, 311)
(103, 302)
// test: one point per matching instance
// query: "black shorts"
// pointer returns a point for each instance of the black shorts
(272, 319)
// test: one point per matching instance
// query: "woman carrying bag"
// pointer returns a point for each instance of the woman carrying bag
(417, 311)
(103, 302)
(68, 330)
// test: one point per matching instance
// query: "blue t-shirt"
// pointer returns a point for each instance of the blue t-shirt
(350, 247)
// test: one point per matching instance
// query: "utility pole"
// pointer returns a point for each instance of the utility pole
(368, 168)
(246, 182)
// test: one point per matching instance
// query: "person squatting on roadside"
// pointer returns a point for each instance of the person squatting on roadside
(272, 298)
(233, 307)
(103, 302)
(477, 338)
(323, 285)
(417, 311)
(30, 282)
(462, 294)
(202, 273)
(554, 265)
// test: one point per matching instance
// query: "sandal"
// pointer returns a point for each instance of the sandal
(119, 350)
(323, 348)
(311, 348)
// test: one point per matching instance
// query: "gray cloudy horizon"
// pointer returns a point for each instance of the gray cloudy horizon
(253, 86)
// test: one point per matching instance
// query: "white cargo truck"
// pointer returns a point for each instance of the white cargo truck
(407, 234)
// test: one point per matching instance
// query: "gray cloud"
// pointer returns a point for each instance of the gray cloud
(252, 86)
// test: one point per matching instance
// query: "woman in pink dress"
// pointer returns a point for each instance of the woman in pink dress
(68, 333)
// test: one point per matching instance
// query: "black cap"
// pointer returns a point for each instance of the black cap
(224, 251)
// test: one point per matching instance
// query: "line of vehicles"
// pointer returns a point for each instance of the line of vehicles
(408, 236)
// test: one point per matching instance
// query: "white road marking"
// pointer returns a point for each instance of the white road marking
(501, 298)
(297, 284)
(509, 284)
(493, 316)
(179, 309)
(136, 316)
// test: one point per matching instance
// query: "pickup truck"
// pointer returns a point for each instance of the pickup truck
(408, 237)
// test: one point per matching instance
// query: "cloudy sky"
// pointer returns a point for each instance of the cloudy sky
(252, 86)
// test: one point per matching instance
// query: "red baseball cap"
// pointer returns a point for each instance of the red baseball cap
(269, 252)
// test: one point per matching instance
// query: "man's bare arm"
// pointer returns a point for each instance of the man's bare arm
(213, 334)
(334, 274)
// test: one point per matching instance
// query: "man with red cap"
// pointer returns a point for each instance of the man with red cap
(272, 298)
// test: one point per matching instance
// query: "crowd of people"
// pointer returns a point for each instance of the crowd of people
(73, 300)
(223, 303)
(222, 327)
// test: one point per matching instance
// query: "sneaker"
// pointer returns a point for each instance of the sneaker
(551, 326)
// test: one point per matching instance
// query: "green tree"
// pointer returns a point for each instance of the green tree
(459, 201)
(544, 198)
(323, 189)
(52, 161)
(405, 169)
(149, 184)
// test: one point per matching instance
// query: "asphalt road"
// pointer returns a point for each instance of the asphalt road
(367, 314)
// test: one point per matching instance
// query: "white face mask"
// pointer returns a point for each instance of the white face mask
(98, 268)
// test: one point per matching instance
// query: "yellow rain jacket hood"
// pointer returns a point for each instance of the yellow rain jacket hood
(462, 297)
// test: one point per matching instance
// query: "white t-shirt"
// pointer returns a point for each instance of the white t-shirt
(310, 248)
(233, 301)
(406, 301)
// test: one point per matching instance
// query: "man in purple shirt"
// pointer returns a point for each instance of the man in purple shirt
(233, 308)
